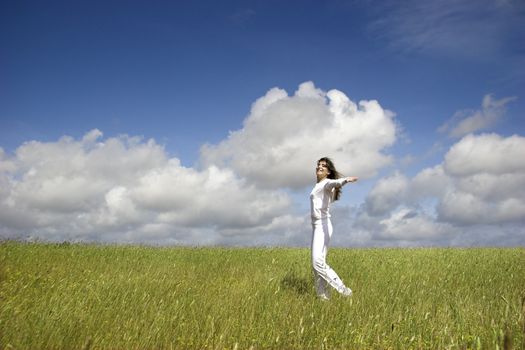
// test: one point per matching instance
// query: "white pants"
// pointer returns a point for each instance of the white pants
(323, 274)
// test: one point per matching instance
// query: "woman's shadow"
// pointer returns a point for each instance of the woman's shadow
(298, 284)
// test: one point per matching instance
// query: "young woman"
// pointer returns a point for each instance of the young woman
(326, 190)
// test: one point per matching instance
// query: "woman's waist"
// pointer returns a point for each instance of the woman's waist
(318, 220)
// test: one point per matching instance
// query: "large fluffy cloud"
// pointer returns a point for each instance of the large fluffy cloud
(284, 135)
(126, 189)
(489, 181)
(479, 187)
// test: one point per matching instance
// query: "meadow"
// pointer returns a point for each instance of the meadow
(82, 296)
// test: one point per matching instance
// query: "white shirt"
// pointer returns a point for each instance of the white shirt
(321, 196)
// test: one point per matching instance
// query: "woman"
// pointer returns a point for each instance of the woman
(326, 190)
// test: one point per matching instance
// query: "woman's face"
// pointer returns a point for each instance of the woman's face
(322, 170)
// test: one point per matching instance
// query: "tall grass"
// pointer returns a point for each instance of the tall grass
(134, 297)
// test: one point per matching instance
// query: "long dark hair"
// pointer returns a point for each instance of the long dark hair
(334, 174)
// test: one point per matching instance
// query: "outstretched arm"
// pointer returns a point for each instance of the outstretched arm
(351, 179)
(340, 182)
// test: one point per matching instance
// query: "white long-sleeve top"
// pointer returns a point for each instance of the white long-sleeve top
(321, 196)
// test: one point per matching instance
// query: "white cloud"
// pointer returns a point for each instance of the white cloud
(489, 181)
(68, 175)
(429, 182)
(487, 153)
(213, 197)
(127, 189)
(479, 185)
(407, 224)
(465, 208)
(283, 137)
(465, 122)
(387, 194)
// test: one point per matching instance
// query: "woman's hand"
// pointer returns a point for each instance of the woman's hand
(351, 179)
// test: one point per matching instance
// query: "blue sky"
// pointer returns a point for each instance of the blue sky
(187, 74)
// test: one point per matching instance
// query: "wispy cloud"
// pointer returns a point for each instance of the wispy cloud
(242, 16)
(467, 121)
(481, 29)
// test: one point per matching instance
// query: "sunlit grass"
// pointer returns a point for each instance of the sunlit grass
(135, 297)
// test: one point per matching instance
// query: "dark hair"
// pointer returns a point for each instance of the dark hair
(334, 174)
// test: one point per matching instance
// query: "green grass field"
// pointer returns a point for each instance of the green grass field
(72, 296)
